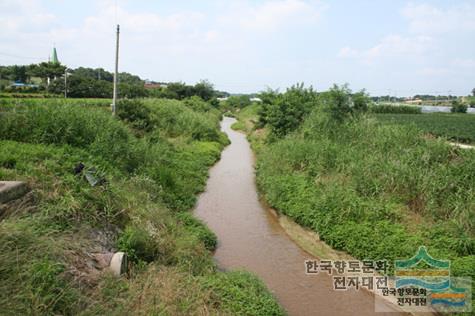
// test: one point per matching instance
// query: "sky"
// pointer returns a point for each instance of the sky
(394, 47)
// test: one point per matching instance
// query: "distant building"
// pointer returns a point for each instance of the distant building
(18, 84)
(54, 57)
(154, 85)
(414, 101)
(258, 100)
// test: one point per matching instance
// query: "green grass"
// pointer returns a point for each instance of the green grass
(247, 118)
(153, 175)
(457, 127)
(373, 190)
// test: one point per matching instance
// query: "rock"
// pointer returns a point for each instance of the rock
(11, 190)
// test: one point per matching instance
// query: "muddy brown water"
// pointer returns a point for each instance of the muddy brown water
(251, 238)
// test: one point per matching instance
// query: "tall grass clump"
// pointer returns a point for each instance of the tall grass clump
(92, 129)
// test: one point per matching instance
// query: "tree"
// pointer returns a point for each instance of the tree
(19, 73)
(238, 101)
(473, 92)
(458, 107)
(129, 90)
(204, 89)
(343, 104)
(83, 87)
(46, 71)
(289, 109)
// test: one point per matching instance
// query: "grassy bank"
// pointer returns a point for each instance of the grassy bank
(373, 190)
(456, 127)
(154, 157)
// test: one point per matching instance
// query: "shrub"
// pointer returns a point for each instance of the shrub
(138, 244)
(458, 107)
(342, 104)
(136, 114)
(287, 111)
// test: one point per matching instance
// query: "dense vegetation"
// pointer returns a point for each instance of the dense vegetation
(457, 127)
(396, 109)
(154, 157)
(374, 190)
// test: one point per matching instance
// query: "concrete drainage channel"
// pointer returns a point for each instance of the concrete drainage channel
(14, 190)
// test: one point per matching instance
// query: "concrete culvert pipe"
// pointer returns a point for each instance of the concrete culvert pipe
(118, 263)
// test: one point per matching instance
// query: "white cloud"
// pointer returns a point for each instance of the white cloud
(348, 52)
(427, 19)
(463, 62)
(16, 16)
(272, 15)
(392, 46)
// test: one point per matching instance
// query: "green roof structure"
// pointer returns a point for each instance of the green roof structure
(54, 57)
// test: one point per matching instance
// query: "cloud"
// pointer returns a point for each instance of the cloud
(391, 46)
(272, 15)
(463, 63)
(348, 52)
(23, 16)
(428, 19)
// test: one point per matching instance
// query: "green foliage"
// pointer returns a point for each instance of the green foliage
(285, 112)
(179, 91)
(343, 104)
(176, 118)
(82, 87)
(91, 129)
(136, 114)
(196, 227)
(396, 109)
(238, 101)
(247, 118)
(240, 293)
(458, 107)
(138, 244)
(366, 204)
(458, 127)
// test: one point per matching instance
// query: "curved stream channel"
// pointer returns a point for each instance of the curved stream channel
(251, 238)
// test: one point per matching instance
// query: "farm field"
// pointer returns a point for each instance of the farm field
(456, 127)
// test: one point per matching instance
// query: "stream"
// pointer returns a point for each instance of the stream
(251, 238)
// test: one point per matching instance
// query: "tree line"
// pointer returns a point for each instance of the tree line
(85, 82)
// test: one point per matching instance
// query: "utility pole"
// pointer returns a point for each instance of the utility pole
(65, 83)
(116, 73)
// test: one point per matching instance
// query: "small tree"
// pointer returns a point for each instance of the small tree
(473, 92)
(458, 107)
